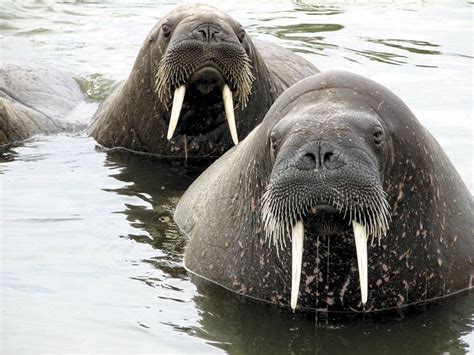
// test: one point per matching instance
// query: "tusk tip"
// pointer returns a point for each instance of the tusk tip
(176, 110)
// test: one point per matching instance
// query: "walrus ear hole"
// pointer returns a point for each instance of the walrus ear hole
(241, 34)
(378, 136)
(273, 145)
(166, 29)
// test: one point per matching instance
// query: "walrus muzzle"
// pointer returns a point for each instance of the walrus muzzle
(324, 180)
(183, 59)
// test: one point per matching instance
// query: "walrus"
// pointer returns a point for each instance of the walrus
(339, 201)
(195, 67)
(37, 99)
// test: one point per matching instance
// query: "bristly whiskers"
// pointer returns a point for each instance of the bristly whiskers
(280, 213)
(183, 59)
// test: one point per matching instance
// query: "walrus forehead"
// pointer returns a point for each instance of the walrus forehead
(312, 115)
(199, 13)
(336, 86)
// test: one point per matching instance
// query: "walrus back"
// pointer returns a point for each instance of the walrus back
(36, 99)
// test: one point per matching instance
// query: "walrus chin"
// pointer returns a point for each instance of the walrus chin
(207, 66)
(366, 212)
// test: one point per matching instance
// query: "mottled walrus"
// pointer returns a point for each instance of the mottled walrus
(196, 64)
(37, 99)
(339, 200)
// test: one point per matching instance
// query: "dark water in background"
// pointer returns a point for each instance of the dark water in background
(91, 261)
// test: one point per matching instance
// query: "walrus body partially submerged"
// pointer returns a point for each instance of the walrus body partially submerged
(37, 99)
(339, 200)
(195, 66)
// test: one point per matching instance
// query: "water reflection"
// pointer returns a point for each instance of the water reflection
(245, 326)
(382, 57)
(404, 45)
(306, 36)
(314, 9)
(7, 154)
(295, 31)
(158, 185)
(97, 86)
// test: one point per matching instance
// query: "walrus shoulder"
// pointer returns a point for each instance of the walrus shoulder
(286, 66)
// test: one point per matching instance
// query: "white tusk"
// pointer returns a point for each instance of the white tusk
(176, 110)
(360, 236)
(229, 112)
(297, 235)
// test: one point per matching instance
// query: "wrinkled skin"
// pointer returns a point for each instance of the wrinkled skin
(327, 145)
(36, 99)
(202, 49)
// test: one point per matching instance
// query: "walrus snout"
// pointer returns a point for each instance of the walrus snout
(210, 57)
(326, 180)
(319, 156)
(207, 80)
(208, 32)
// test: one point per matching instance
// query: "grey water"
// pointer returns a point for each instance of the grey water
(90, 258)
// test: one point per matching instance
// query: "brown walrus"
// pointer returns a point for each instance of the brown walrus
(340, 200)
(196, 64)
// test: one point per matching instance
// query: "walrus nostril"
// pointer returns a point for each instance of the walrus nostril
(328, 157)
(331, 161)
(307, 161)
(207, 32)
(203, 34)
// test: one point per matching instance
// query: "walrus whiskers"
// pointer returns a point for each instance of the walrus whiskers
(282, 217)
(175, 70)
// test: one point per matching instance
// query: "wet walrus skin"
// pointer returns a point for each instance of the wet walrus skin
(336, 154)
(36, 99)
(202, 49)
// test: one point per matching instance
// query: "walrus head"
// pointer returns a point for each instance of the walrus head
(329, 160)
(205, 61)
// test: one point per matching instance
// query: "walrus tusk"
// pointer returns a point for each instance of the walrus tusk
(360, 236)
(176, 110)
(229, 112)
(297, 235)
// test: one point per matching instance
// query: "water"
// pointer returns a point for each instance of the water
(91, 261)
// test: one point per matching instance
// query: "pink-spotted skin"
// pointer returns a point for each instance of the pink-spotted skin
(336, 151)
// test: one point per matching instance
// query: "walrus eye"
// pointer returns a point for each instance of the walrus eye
(378, 136)
(241, 34)
(166, 30)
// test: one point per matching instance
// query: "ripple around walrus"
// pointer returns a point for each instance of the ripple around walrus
(36, 31)
(96, 86)
(295, 31)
